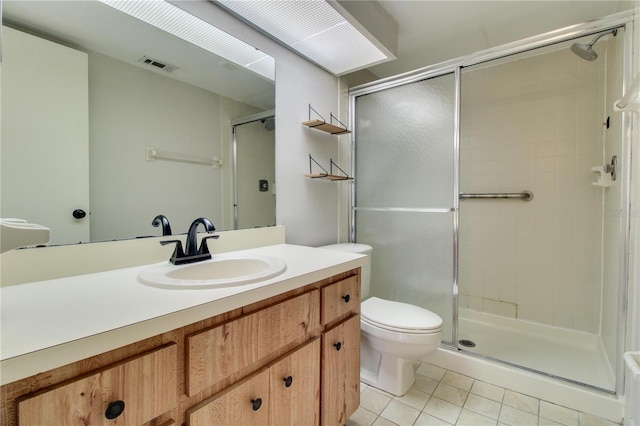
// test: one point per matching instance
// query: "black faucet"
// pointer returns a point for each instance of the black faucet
(162, 220)
(193, 253)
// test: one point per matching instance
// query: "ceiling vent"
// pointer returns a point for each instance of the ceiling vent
(156, 63)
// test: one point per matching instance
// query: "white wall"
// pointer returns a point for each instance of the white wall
(131, 108)
(45, 135)
(309, 209)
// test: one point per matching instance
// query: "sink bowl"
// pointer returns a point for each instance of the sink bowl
(224, 270)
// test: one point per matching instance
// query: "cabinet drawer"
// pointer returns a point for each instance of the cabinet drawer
(340, 298)
(245, 403)
(217, 353)
(145, 384)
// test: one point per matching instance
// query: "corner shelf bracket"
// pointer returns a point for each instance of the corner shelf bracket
(324, 174)
(321, 124)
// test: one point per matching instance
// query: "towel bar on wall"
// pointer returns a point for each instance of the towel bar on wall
(153, 154)
(524, 195)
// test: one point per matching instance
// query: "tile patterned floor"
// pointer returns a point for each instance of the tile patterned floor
(442, 397)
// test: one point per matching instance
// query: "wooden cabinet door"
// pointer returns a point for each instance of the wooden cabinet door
(340, 372)
(295, 387)
(145, 384)
(244, 403)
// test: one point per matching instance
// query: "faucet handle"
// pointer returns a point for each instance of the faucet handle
(178, 253)
(204, 248)
(162, 220)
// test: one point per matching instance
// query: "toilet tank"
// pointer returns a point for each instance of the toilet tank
(365, 278)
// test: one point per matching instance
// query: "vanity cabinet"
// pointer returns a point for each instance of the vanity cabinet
(132, 392)
(290, 359)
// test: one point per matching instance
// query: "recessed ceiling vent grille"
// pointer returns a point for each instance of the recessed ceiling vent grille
(156, 63)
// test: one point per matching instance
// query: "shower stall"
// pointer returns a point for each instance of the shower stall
(494, 189)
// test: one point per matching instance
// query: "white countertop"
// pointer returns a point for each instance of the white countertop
(48, 324)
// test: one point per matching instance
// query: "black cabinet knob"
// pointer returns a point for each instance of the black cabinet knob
(346, 298)
(79, 213)
(288, 381)
(256, 404)
(114, 409)
(338, 346)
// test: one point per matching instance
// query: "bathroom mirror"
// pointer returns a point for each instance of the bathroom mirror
(157, 107)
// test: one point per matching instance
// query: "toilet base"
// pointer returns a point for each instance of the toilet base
(386, 372)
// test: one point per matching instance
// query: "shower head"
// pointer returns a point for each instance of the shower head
(585, 51)
(269, 123)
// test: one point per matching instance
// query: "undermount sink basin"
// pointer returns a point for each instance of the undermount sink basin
(224, 270)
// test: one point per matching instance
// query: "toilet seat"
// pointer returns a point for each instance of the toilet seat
(399, 317)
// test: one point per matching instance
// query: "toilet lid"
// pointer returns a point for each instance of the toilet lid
(399, 316)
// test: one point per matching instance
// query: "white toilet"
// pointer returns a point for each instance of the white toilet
(394, 334)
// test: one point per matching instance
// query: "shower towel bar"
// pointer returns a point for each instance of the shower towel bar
(524, 195)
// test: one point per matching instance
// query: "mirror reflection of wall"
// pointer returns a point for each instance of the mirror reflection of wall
(45, 150)
(130, 108)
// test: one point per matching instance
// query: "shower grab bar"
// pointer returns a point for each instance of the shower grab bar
(524, 195)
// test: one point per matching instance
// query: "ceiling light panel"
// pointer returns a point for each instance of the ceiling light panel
(313, 28)
(176, 21)
(288, 21)
(352, 52)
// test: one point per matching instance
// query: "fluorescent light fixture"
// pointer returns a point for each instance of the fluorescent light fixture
(314, 29)
(176, 21)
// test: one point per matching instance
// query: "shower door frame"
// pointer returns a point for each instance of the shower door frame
(455, 66)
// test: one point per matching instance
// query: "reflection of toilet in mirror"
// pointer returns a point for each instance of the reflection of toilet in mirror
(393, 335)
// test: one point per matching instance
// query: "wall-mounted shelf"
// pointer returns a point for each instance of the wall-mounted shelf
(322, 125)
(324, 174)
(327, 176)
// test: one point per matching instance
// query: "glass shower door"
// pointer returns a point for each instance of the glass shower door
(404, 204)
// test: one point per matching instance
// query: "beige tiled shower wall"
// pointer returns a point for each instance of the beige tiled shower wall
(534, 123)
